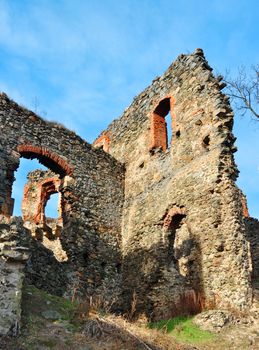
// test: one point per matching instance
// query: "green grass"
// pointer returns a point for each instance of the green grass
(35, 332)
(183, 329)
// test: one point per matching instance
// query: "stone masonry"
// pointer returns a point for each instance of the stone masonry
(40, 186)
(183, 227)
(12, 262)
(91, 188)
(149, 222)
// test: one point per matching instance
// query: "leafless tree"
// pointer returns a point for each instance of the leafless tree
(243, 90)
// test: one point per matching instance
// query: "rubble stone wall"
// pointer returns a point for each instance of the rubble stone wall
(12, 262)
(195, 175)
(40, 186)
(91, 185)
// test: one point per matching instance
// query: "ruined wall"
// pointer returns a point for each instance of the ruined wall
(91, 189)
(37, 191)
(40, 186)
(182, 207)
(166, 212)
(13, 258)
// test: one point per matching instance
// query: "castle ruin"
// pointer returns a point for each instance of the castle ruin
(144, 216)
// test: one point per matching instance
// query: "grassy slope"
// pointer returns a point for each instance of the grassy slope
(51, 322)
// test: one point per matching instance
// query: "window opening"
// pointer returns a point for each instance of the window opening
(21, 173)
(161, 126)
(47, 231)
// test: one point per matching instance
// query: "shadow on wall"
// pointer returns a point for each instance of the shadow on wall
(42, 269)
(166, 280)
(163, 286)
(92, 269)
(169, 278)
(92, 262)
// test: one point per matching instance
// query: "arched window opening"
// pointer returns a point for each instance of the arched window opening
(20, 179)
(179, 242)
(39, 187)
(38, 156)
(38, 201)
(181, 246)
(42, 210)
(161, 125)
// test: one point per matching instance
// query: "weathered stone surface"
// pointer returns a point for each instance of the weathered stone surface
(213, 320)
(51, 315)
(206, 254)
(12, 262)
(90, 183)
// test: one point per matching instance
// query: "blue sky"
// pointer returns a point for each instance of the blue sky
(82, 62)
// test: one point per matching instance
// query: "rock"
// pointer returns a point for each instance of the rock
(213, 320)
(51, 315)
(14, 255)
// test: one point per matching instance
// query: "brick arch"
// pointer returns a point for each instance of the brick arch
(48, 158)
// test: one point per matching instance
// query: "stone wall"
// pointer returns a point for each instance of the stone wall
(42, 269)
(12, 262)
(37, 191)
(92, 191)
(189, 180)
(40, 186)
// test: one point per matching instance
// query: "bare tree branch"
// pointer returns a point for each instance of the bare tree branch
(243, 90)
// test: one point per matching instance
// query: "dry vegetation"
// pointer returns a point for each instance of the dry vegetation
(51, 322)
